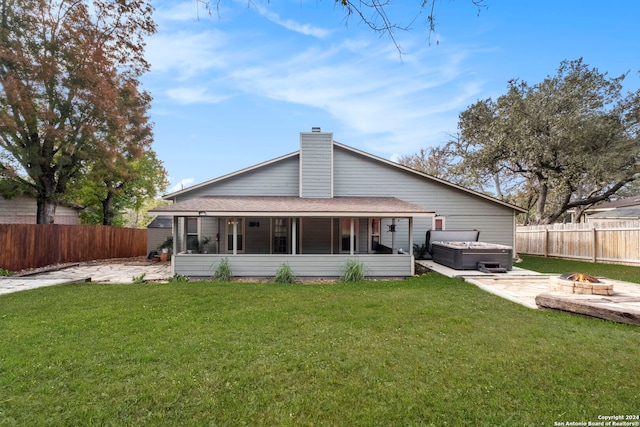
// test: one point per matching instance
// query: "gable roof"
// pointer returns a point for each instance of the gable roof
(358, 152)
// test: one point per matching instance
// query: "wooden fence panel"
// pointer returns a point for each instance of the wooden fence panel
(615, 242)
(33, 245)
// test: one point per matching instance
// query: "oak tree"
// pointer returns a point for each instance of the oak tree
(63, 64)
(570, 141)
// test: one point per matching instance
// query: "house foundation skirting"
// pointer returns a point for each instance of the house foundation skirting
(247, 265)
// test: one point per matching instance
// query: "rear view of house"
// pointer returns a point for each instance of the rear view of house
(320, 206)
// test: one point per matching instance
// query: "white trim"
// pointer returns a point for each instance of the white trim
(444, 222)
(331, 214)
(235, 233)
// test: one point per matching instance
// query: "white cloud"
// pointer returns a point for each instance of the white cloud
(194, 95)
(187, 54)
(306, 29)
(402, 105)
(181, 185)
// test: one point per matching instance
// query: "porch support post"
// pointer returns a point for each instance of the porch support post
(175, 228)
(411, 236)
(294, 237)
(393, 237)
(331, 232)
(351, 239)
(235, 236)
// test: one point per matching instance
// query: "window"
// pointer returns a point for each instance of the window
(438, 223)
(374, 234)
(192, 233)
(280, 235)
(240, 231)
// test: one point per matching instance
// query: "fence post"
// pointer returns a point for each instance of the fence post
(595, 246)
(546, 242)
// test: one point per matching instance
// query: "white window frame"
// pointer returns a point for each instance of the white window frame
(241, 235)
(435, 220)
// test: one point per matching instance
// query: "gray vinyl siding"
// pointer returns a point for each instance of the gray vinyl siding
(316, 152)
(276, 179)
(198, 265)
(358, 175)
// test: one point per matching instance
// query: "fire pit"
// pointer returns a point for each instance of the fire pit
(580, 283)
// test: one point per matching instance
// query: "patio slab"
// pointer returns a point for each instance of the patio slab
(97, 272)
(534, 290)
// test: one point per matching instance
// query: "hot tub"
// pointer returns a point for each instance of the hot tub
(467, 255)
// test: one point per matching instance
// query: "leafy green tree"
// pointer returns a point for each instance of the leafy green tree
(570, 141)
(108, 197)
(63, 64)
(125, 171)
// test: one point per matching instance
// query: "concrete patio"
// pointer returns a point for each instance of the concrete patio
(533, 289)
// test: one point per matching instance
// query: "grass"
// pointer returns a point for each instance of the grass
(556, 265)
(425, 351)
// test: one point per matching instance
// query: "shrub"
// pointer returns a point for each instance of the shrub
(178, 278)
(419, 250)
(4, 272)
(223, 271)
(139, 279)
(285, 274)
(166, 244)
(353, 271)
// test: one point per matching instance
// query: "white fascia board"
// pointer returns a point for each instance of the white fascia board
(301, 214)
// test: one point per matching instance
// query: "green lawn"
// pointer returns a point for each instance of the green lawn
(426, 351)
(557, 265)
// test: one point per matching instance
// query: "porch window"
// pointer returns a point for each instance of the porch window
(192, 233)
(280, 235)
(374, 234)
(240, 231)
(438, 223)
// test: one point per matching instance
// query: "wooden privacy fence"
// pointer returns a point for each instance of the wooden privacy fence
(34, 245)
(616, 242)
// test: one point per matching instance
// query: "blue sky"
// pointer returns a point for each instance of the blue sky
(236, 88)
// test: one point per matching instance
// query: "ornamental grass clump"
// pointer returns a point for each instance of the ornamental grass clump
(353, 271)
(223, 271)
(285, 274)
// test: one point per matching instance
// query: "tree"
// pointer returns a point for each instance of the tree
(62, 66)
(570, 141)
(109, 197)
(125, 170)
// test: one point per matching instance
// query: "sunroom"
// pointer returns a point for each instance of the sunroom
(314, 236)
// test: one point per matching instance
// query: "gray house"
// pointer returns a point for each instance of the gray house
(318, 207)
